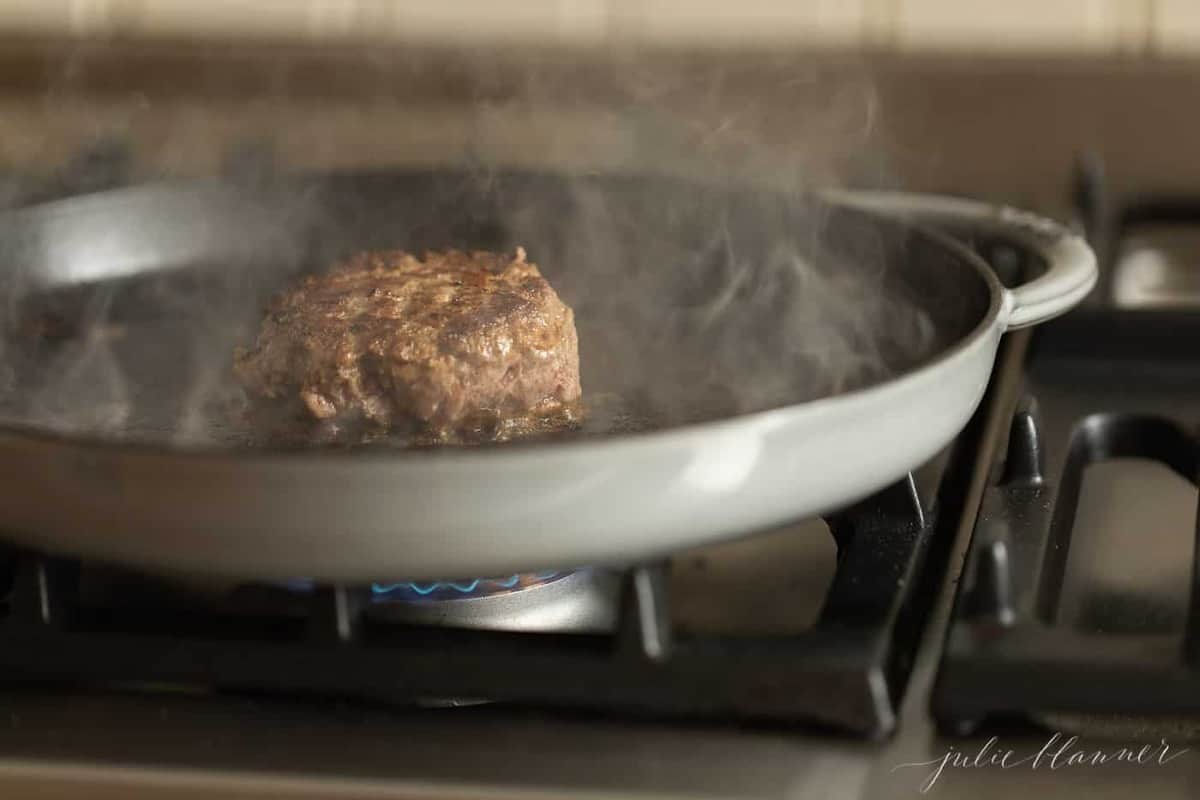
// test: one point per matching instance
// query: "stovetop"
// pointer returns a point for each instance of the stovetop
(846, 657)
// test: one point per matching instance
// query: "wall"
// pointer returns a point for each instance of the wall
(998, 101)
(1168, 27)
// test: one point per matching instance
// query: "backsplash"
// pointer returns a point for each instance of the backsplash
(1120, 27)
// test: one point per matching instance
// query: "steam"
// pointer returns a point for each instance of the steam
(703, 276)
(89, 393)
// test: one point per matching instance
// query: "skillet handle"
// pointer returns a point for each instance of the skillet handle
(1071, 264)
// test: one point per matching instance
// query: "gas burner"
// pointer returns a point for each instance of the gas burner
(583, 601)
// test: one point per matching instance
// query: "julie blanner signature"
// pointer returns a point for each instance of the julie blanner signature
(1058, 753)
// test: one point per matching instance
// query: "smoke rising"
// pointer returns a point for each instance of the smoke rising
(670, 204)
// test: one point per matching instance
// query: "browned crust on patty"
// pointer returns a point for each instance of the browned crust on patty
(387, 336)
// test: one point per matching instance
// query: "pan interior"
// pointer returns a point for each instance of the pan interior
(694, 302)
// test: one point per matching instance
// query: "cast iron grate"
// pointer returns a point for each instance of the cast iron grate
(1109, 384)
(1102, 383)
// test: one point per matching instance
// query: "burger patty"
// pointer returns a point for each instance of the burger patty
(437, 341)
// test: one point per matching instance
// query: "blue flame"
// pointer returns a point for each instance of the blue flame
(465, 588)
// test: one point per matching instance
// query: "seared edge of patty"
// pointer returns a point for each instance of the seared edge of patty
(385, 335)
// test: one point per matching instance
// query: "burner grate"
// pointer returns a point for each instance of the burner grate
(1102, 384)
(1115, 379)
